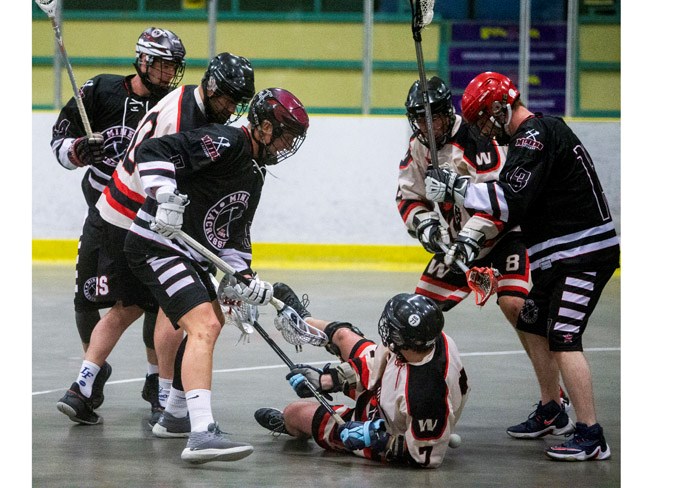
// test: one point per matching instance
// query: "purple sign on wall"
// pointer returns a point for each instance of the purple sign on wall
(493, 46)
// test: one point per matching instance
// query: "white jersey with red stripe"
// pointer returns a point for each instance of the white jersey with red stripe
(464, 155)
(180, 110)
(420, 402)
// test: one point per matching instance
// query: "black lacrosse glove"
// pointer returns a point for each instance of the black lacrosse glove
(301, 372)
(86, 150)
(431, 232)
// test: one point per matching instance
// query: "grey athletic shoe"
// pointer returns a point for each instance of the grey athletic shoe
(169, 426)
(213, 445)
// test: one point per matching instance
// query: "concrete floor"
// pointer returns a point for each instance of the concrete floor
(123, 452)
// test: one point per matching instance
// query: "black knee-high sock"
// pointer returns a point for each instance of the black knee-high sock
(177, 383)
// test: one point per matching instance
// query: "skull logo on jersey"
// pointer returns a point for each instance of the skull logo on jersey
(220, 218)
(529, 312)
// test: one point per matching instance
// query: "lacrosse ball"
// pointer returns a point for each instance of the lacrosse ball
(454, 441)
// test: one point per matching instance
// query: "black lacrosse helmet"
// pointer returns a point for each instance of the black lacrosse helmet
(287, 115)
(439, 97)
(410, 321)
(232, 76)
(156, 43)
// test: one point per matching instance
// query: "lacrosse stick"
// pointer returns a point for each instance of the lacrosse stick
(482, 281)
(294, 329)
(236, 312)
(422, 15)
(291, 365)
(49, 7)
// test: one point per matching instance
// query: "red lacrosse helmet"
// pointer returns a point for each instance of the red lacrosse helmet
(489, 96)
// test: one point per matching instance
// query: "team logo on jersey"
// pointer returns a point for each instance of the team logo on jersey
(484, 161)
(116, 139)
(529, 312)
(220, 217)
(89, 289)
(213, 147)
(530, 142)
(518, 179)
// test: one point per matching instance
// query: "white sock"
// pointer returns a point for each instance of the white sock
(200, 409)
(176, 403)
(86, 377)
(163, 394)
(152, 369)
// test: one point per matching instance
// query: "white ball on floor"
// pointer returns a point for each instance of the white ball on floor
(454, 441)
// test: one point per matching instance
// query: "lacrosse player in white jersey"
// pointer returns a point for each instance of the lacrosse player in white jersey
(409, 391)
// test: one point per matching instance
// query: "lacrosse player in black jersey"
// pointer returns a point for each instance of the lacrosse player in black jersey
(550, 188)
(408, 392)
(222, 96)
(114, 105)
(207, 182)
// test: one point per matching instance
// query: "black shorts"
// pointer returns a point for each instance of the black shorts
(449, 287)
(176, 282)
(88, 287)
(120, 283)
(559, 307)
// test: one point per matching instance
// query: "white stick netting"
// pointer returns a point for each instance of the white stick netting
(427, 7)
(47, 6)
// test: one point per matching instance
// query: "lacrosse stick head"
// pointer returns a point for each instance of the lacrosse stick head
(297, 331)
(421, 14)
(48, 7)
(236, 312)
(483, 282)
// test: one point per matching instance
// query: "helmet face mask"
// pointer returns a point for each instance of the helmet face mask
(160, 60)
(287, 118)
(441, 107)
(410, 322)
(487, 104)
(228, 86)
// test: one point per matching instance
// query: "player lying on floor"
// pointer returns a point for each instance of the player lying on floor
(409, 392)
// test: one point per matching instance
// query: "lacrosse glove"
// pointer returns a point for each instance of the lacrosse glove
(86, 150)
(169, 214)
(466, 248)
(442, 185)
(359, 435)
(431, 232)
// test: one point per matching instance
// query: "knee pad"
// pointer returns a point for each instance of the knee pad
(149, 319)
(331, 329)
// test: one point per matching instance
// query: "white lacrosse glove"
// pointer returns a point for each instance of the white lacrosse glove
(442, 185)
(258, 292)
(466, 247)
(169, 215)
(431, 232)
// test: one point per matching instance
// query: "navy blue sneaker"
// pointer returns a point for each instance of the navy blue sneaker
(78, 407)
(587, 443)
(550, 418)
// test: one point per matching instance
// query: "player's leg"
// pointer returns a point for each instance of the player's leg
(574, 298)
(185, 293)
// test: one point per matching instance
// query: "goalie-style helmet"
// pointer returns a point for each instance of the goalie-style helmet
(487, 102)
(160, 44)
(287, 115)
(232, 76)
(410, 321)
(439, 97)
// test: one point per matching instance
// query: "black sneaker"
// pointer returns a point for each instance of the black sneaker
(271, 419)
(286, 294)
(546, 419)
(77, 407)
(99, 383)
(587, 443)
(151, 390)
